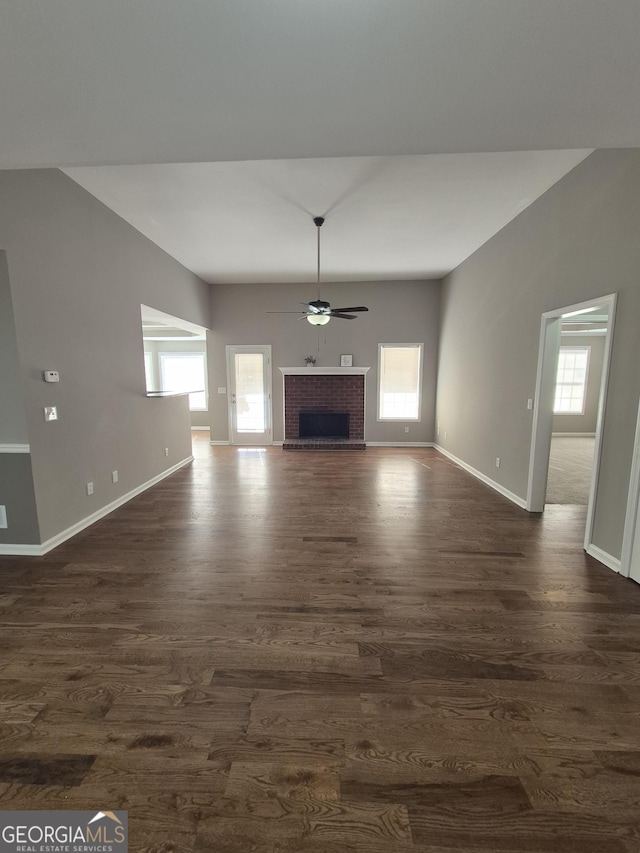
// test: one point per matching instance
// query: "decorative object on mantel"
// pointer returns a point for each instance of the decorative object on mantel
(318, 312)
(309, 360)
(346, 361)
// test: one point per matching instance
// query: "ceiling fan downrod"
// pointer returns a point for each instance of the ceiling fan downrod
(318, 222)
(319, 312)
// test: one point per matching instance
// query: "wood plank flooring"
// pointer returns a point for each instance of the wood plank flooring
(316, 653)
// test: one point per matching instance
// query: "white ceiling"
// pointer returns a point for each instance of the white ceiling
(386, 217)
(113, 83)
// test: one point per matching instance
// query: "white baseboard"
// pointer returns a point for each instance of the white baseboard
(9, 550)
(15, 448)
(604, 558)
(59, 538)
(521, 502)
(200, 429)
(399, 443)
(573, 434)
(278, 443)
(219, 442)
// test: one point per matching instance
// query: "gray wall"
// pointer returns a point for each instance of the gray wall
(399, 312)
(13, 424)
(78, 275)
(16, 477)
(17, 495)
(586, 422)
(578, 241)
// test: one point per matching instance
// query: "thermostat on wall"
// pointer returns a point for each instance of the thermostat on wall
(51, 376)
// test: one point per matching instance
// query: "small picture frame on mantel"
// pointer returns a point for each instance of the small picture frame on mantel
(346, 361)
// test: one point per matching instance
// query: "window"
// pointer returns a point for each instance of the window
(573, 364)
(399, 374)
(185, 371)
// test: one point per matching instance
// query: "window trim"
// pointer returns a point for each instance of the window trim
(584, 348)
(186, 354)
(412, 345)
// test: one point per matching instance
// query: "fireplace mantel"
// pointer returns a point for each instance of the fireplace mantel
(324, 371)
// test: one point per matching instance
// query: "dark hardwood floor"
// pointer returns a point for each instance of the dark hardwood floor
(275, 652)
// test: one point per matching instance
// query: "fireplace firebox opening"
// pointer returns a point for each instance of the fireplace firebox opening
(323, 424)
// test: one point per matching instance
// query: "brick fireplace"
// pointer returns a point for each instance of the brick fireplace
(338, 390)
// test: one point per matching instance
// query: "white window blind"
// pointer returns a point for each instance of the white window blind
(185, 371)
(571, 382)
(399, 372)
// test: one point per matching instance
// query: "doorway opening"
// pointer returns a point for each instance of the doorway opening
(571, 391)
(575, 408)
(175, 361)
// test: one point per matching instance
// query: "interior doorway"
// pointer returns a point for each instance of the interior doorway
(575, 408)
(551, 394)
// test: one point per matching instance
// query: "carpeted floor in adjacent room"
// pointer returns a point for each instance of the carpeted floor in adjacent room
(570, 466)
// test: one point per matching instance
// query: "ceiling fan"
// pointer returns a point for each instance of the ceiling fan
(318, 311)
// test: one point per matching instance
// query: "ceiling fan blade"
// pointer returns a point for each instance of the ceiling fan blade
(286, 312)
(357, 308)
(343, 316)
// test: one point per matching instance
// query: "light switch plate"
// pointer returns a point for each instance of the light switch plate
(51, 413)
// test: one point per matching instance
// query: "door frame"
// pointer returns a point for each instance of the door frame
(550, 328)
(632, 517)
(231, 349)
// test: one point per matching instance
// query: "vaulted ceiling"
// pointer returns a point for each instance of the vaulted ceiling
(420, 127)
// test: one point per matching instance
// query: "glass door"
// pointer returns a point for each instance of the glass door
(249, 394)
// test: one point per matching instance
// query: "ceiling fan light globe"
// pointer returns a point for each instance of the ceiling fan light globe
(318, 319)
